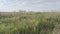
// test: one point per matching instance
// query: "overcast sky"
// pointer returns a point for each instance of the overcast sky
(11, 5)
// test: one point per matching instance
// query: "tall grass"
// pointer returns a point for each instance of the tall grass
(29, 23)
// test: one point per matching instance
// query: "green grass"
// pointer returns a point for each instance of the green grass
(30, 23)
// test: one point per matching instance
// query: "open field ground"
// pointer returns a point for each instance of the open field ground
(30, 23)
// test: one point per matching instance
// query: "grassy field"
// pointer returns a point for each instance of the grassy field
(30, 23)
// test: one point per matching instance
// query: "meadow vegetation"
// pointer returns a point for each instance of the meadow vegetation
(30, 23)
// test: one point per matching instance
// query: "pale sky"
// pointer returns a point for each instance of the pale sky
(11, 5)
